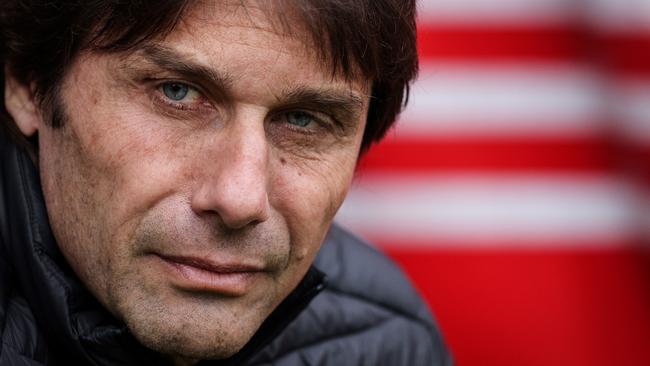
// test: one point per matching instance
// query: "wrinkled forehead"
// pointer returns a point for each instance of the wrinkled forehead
(277, 16)
(293, 24)
(220, 24)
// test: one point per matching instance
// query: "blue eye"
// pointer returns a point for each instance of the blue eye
(175, 91)
(300, 119)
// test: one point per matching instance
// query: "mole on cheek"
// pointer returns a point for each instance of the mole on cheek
(283, 161)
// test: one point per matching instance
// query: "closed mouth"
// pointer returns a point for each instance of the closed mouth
(200, 275)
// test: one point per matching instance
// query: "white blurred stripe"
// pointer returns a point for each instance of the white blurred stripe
(631, 109)
(480, 209)
(495, 11)
(615, 15)
(503, 99)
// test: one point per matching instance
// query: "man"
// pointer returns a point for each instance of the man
(180, 164)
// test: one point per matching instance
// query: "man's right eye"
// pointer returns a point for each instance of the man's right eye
(180, 100)
(175, 91)
(180, 96)
(179, 92)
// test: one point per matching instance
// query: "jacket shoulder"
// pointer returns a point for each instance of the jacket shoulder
(21, 341)
(355, 268)
(369, 314)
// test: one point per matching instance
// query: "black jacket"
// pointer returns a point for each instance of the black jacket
(368, 314)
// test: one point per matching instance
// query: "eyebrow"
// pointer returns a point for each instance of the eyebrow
(172, 60)
(346, 105)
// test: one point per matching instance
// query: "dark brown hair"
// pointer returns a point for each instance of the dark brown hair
(39, 39)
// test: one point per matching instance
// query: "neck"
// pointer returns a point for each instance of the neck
(183, 361)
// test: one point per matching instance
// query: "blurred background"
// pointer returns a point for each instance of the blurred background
(515, 190)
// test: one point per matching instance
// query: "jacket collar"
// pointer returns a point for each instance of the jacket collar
(75, 324)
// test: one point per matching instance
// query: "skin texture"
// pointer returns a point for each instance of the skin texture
(228, 174)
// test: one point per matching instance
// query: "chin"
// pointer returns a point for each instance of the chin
(196, 331)
(192, 344)
(197, 352)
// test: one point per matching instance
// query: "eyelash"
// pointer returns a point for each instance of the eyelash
(159, 97)
(204, 105)
(320, 124)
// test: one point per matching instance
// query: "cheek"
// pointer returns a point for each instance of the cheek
(308, 194)
(130, 161)
(101, 173)
(76, 204)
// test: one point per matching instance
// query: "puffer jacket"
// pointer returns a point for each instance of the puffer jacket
(354, 306)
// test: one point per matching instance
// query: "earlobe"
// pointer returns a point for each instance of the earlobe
(20, 104)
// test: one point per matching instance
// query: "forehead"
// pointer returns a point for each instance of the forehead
(277, 17)
(259, 36)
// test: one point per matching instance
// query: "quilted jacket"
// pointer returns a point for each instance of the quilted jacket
(354, 306)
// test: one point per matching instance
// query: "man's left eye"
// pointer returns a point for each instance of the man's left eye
(300, 119)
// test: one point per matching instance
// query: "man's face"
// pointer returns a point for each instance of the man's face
(194, 179)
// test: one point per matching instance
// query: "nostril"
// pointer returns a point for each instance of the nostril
(242, 214)
(236, 205)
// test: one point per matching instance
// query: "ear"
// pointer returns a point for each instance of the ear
(19, 101)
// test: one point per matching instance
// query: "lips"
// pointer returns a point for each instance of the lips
(198, 274)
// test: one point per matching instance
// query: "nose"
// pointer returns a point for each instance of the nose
(234, 177)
